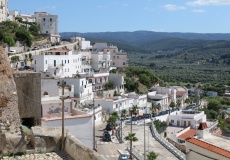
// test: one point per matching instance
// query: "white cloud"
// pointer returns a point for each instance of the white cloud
(157, 30)
(46, 8)
(199, 10)
(208, 2)
(172, 7)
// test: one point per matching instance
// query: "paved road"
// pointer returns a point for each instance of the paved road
(151, 143)
(108, 150)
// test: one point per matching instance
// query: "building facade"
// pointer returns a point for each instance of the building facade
(59, 62)
(3, 10)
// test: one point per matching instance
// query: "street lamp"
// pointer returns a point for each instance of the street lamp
(94, 143)
(131, 130)
(62, 84)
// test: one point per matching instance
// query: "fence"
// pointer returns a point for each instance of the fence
(166, 144)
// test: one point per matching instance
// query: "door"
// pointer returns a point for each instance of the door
(54, 63)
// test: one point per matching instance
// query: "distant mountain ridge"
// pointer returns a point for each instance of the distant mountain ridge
(147, 41)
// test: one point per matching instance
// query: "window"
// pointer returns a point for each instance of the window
(50, 24)
(68, 61)
(189, 123)
(50, 19)
(123, 63)
(44, 19)
(184, 123)
(114, 57)
(113, 63)
(172, 121)
(47, 32)
(117, 57)
(35, 62)
(178, 123)
(46, 61)
(68, 69)
(65, 61)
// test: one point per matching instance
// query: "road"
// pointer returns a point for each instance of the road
(108, 150)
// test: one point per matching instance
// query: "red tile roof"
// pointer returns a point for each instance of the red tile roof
(210, 147)
(202, 126)
(180, 93)
(188, 134)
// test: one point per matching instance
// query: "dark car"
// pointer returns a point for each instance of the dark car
(106, 137)
(25, 68)
(108, 127)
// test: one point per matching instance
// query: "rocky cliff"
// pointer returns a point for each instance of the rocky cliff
(9, 113)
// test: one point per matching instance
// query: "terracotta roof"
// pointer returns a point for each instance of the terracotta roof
(180, 93)
(58, 50)
(202, 126)
(210, 147)
(189, 134)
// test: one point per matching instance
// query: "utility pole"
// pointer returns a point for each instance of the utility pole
(144, 141)
(62, 85)
(131, 111)
(93, 125)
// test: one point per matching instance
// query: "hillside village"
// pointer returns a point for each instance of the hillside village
(79, 88)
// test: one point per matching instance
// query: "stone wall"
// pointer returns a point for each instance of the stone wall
(29, 95)
(78, 150)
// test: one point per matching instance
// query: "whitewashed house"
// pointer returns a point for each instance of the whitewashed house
(59, 62)
(117, 104)
(100, 61)
(119, 82)
(187, 118)
(82, 88)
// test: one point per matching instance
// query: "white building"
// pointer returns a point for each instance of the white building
(118, 58)
(139, 100)
(119, 82)
(59, 62)
(82, 88)
(3, 10)
(98, 80)
(48, 25)
(117, 104)
(79, 122)
(212, 94)
(100, 61)
(162, 99)
(197, 149)
(187, 118)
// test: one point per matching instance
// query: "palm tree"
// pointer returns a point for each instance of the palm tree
(115, 113)
(172, 104)
(131, 138)
(158, 106)
(178, 103)
(123, 116)
(135, 110)
(151, 156)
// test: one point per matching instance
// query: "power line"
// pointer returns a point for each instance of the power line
(27, 96)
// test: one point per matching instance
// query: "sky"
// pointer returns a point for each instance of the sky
(195, 16)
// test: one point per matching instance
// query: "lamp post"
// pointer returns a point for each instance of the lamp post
(62, 84)
(94, 144)
(144, 141)
(131, 130)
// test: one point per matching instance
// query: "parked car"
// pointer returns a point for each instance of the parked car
(12, 52)
(25, 68)
(35, 48)
(108, 127)
(106, 137)
(105, 132)
(123, 157)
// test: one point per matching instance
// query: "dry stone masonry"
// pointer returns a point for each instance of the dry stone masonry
(9, 113)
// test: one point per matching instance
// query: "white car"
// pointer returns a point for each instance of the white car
(12, 52)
